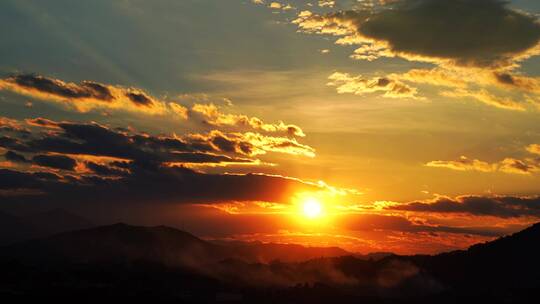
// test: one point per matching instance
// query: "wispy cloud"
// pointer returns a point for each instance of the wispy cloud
(510, 165)
(497, 206)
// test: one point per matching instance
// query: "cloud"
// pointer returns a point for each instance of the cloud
(373, 222)
(436, 76)
(55, 161)
(488, 34)
(277, 6)
(534, 149)
(99, 140)
(477, 84)
(326, 3)
(486, 97)
(179, 110)
(252, 144)
(516, 166)
(42, 122)
(521, 82)
(462, 164)
(87, 95)
(55, 87)
(213, 116)
(278, 144)
(151, 185)
(508, 165)
(497, 206)
(15, 157)
(105, 170)
(473, 58)
(86, 162)
(92, 139)
(12, 126)
(358, 85)
(139, 98)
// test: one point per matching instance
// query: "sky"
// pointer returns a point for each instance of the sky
(411, 126)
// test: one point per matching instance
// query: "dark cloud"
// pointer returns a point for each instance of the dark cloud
(224, 143)
(477, 32)
(99, 163)
(372, 222)
(139, 98)
(498, 206)
(13, 180)
(104, 170)
(99, 140)
(505, 78)
(13, 144)
(86, 89)
(42, 122)
(196, 157)
(90, 95)
(144, 183)
(15, 157)
(467, 32)
(55, 161)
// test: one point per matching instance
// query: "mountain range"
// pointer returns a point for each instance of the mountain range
(164, 264)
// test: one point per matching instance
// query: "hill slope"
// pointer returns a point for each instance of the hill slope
(505, 270)
(121, 242)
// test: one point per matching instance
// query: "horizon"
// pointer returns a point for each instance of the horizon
(403, 126)
(307, 246)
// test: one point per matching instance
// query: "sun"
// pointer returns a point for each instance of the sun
(312, 208)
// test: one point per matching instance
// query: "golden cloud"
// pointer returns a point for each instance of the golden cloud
(510, 165)
(214, 117)
(462, 164)
(487, 98)
(88, 95)
(358, 85)
(252, 144)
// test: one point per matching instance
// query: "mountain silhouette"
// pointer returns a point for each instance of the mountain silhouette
(511, 262)
(122, 242)
(172, 265)
(118, 243)
(258, 252)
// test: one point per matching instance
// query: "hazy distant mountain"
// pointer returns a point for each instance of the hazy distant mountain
(258, 252)
(121, 242)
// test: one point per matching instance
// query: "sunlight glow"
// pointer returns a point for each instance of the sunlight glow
(312, 208)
